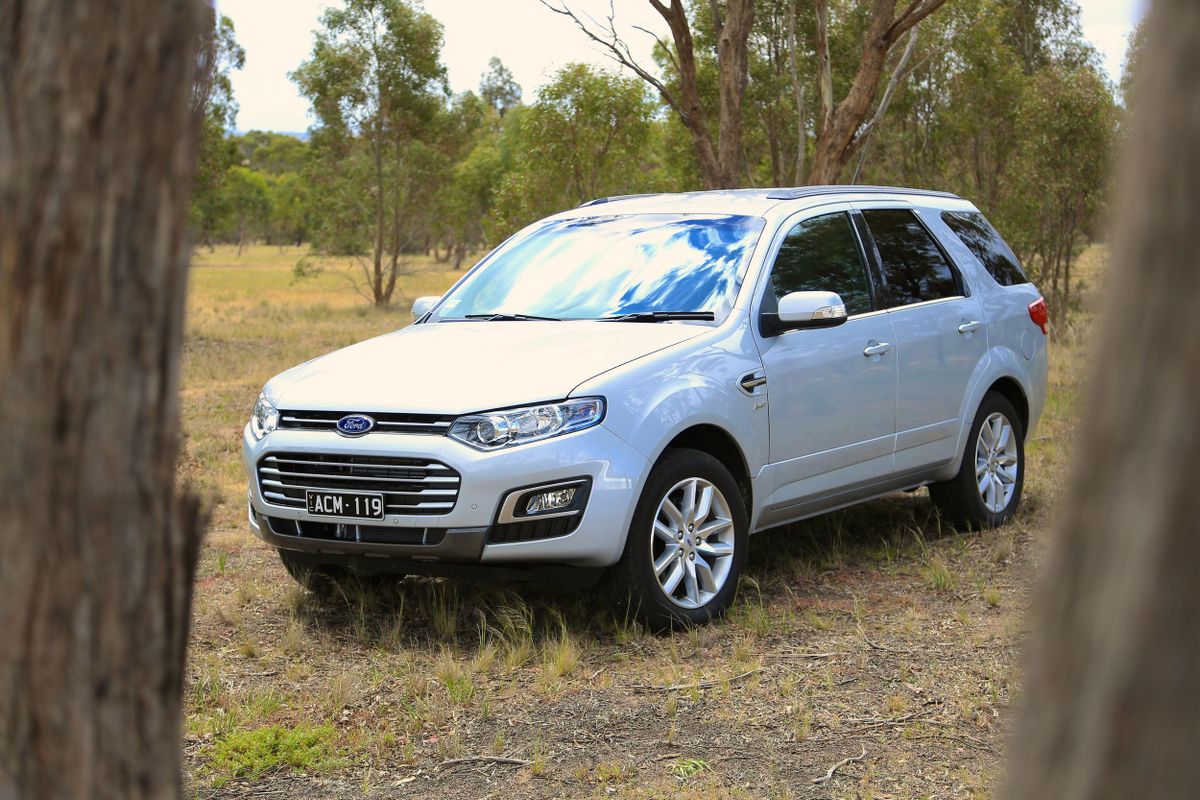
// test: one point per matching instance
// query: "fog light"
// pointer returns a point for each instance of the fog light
(550, 501)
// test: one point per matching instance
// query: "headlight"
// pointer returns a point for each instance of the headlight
(520, 425)
(264, 418)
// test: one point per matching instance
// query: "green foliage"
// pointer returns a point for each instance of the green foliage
(272, 153)
(589, 134)
(252, 753)
(498, 89)
(1133, 57)
(216, 152)
(1068, 110)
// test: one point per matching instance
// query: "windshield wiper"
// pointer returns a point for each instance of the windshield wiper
(502, 317)
(661, 316)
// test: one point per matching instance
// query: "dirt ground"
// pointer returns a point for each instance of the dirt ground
(871, 653)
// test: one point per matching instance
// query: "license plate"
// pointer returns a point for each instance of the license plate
(345, 504)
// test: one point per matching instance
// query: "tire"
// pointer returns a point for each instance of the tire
(709, 568)
(328, 579)
(1000, 470)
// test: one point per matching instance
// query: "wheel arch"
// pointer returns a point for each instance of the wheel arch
(1011, 390)
(1008, 386)
(721, 445)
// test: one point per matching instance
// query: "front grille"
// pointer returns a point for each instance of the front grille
(409, 485)
(371, 534)
(427, 424)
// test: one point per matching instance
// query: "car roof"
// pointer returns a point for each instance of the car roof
(758, 202)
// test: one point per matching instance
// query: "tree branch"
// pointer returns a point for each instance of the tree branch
(617, 49)
(715, 5)
(825, 79)
(916, 11)
(881, 109)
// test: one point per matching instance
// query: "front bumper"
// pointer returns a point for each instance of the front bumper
(616, 470)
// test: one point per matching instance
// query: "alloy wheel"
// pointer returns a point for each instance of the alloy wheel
(996, 462)
(691, 549)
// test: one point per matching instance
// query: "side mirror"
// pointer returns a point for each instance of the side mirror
(422, 306)
(809, 310)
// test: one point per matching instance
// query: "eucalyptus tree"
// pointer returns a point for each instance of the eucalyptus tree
(376, 82)
(498, 88)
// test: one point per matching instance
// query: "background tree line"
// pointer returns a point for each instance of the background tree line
(1002, 101)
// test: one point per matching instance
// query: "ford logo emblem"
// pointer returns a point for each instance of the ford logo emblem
(355, 425)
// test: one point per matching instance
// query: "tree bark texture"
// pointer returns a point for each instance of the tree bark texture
(99, 121)
(1112, 704)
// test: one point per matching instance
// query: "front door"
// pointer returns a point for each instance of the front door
(831, 391)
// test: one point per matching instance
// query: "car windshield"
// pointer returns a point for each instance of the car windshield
(604, 267)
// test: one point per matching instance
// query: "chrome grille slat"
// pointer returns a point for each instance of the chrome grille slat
(443, 424)
(385, 421)
(423, 492)
(409, 485)
(345, 477)
(420, 464)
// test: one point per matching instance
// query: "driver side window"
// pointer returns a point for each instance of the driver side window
(822, 254)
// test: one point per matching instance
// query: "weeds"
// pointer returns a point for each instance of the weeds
(685, 768)
(252, 753)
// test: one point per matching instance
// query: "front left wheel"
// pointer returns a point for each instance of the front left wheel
(686, 546)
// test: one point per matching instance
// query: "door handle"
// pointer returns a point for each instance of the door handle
(970, 327)
(878, 349)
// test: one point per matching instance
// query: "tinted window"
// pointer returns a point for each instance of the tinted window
(983, 240)
(822, 254)
(913, 265)
(589, 267)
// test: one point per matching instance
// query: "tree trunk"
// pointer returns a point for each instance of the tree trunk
(838, 135)
(98, 131)
(1112, 707)
(379, 188)
(798, 94)
(688, 105)
(733, 63)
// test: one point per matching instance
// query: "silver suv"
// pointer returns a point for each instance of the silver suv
(629, 389)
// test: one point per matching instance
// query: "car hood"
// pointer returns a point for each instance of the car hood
(459, 367)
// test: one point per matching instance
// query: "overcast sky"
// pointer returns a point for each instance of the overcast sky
(529, 39)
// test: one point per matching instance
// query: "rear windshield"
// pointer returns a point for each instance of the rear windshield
(983, 240)
(597, 267)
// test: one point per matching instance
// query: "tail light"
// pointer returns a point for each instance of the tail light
(1039, 313)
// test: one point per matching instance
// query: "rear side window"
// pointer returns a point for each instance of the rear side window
(912, 262)
(822, 254)
(984, 241)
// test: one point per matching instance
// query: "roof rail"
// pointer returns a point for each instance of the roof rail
(612, 199)
(798, 192)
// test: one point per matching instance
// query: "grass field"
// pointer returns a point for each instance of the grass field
(871, 634)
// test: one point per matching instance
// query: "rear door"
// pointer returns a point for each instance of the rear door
(832, 391)
(941, 337)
